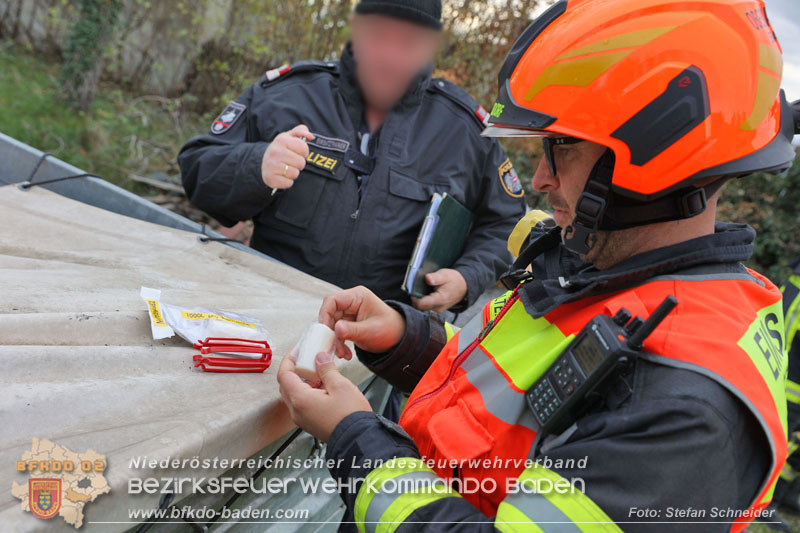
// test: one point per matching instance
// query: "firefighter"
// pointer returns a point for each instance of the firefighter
(645, 108)
(787, 490)
(336, 162)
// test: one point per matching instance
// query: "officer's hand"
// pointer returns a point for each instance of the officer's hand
(285, 157)
(359, 316)
(451, 287)
(319, 410)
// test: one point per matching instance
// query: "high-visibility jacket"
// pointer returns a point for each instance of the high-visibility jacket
(791, 311)
(469, 408)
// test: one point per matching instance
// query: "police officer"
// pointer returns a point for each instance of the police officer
(643, 116)
(336, 162)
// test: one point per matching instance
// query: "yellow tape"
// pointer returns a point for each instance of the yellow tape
(205, 316)
(155, 313)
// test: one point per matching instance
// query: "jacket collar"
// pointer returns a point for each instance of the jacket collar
(351, 92)
(560, 277)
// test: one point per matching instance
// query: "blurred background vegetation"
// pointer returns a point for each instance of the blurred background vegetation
(117, 86)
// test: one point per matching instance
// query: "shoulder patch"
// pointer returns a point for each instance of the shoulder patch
(276, 73)
(228, 118)
(286, 70)
(509, 180)
(460, 97)
(482, 115)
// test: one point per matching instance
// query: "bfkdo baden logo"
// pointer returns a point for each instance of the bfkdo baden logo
(44, 496)
(61, 482)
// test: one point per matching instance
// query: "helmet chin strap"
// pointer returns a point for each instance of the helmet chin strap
(599, 208)
(581, 235)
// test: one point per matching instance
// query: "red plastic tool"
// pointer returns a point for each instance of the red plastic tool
(232, 346)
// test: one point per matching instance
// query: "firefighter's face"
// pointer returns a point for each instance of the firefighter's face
(389, 54)
(573, 163)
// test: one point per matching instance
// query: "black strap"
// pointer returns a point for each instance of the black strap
(581, 235)
(600, 208)
(682, 203)
(29, 184)
(204, 238)
(538, 242)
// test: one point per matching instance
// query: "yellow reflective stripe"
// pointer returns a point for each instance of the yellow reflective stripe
(763, 341)
(792, 397)
(792, 446)
(575, 72)
(450, 330)
(376, 509)
(523, 346)
(770, 58)
(766, 92)
(792, 311)
(632, 39)
(561, 499)
(788, 473)
(380, 474)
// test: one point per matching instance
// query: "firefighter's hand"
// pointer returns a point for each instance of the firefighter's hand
(358, 315)
(285, 157)
(450, 288)
(319, 410)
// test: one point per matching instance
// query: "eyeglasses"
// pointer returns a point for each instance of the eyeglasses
(549, 145)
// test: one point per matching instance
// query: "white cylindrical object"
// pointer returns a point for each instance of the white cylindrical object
(316, 338)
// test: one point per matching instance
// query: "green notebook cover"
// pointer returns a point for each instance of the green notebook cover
(453, 224)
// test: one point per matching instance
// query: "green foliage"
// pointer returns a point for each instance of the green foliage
(771, 204)
(83, 52)
(477, 39)
(124, 135)
(258, 36)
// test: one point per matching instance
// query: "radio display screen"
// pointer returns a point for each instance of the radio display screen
(588, 353)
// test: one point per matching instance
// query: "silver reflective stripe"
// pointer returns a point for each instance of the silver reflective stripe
(382, 500)
(707, 277)
(540, 511)
(470, 332)
(498, 397)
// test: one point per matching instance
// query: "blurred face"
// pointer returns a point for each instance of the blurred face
(389, 54)
(573, 163)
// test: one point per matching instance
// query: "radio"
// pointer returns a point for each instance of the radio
(558, 398)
